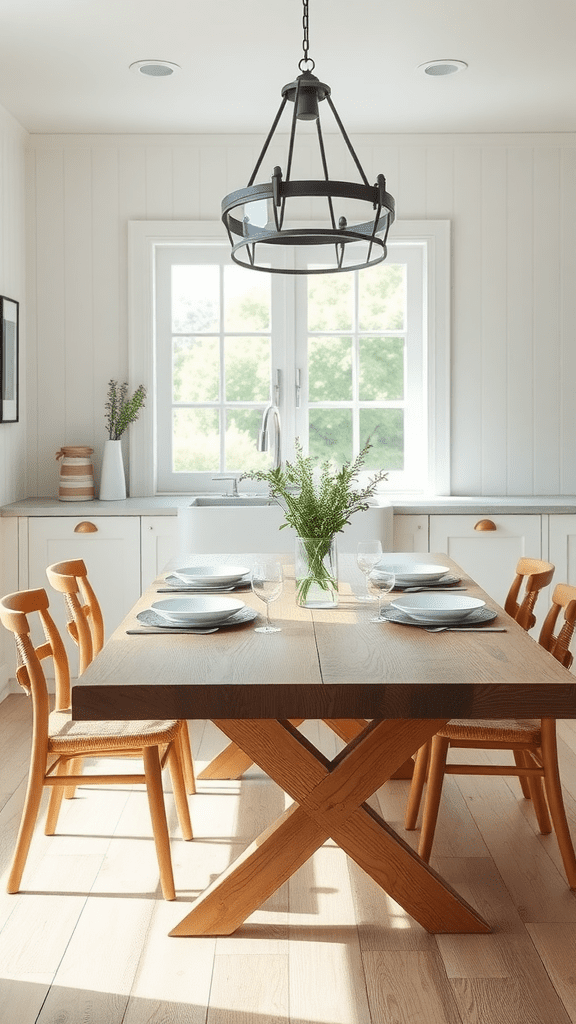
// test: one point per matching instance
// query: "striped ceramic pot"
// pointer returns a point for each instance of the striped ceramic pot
(76, 473)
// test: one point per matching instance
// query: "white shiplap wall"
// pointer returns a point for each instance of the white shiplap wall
(13, 481)
(12, 270)
(512, 204)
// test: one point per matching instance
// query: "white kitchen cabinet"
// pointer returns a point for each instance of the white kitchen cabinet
(159, 545)
(110, 547)
(411, 533)
(490, 555)
(562, 547)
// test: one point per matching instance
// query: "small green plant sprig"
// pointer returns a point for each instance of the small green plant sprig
(318, 503)
(121, 410)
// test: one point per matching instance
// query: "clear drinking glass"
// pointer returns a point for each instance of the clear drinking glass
(368, 554)
(380, 583)
(267, 582)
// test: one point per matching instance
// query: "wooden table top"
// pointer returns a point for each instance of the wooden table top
(324, 664)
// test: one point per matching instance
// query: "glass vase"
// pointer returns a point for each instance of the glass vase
(316, 566)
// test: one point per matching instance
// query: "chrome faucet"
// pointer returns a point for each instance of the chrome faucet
(263, 442)
(234, 480)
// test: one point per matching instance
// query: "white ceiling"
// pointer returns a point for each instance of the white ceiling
(64, 64)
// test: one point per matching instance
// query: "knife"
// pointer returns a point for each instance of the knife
(158, 629)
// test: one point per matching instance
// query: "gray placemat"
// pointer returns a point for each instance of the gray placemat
(444, 581)
(175, 585)
(149, 617)
(475, 618)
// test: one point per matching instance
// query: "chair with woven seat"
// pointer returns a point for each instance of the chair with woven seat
(533, 743)
(532, 575)
(58, 741)
(86, 627)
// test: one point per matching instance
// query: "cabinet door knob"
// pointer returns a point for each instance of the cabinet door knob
(85, 527)
(485, 524)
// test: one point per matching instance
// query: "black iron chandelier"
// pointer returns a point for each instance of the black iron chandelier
(266, 214)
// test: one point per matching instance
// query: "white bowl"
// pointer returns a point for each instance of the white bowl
(197, 610)
(437, 607)
(211, 575)
(406, 573)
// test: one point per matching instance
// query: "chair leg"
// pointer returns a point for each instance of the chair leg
(56, 795)
(536, 791)
(179, 790)
(520, 759)
(186, 758)
(555, 800)
(440, 746)
(417, 786)
(26, 830)
(153, 773)
(75, 769)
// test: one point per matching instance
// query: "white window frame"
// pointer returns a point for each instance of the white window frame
(143, 239)
(413, 256)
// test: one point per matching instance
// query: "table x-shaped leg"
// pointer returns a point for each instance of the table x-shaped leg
(329, 803)
(232, 762)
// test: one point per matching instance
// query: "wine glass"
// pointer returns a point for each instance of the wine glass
(368, 554)
(267, 582)
(379, 583)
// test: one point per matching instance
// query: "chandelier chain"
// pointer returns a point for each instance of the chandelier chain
(306, 41)
(305, 26)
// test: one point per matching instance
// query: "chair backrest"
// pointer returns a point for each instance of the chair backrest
(14, 612)
(558, 643)
(85, 625)
(536, 575)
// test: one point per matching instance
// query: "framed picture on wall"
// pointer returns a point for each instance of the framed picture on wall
(8, 360)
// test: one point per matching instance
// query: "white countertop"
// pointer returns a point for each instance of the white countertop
(168, 505)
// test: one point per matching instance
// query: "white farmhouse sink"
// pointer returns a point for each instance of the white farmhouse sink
(232, 525)
(228, 500)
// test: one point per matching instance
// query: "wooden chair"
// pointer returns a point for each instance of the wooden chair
(86, 627)
(532, 575)
(533, 744)
(58, 742)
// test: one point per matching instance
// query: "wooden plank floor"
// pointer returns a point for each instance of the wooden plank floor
(87, 938)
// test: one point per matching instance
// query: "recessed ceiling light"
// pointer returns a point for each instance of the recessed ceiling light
(154, 68)
(436, 68)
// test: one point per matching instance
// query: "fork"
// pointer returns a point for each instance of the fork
(465, 629)
(434, 590)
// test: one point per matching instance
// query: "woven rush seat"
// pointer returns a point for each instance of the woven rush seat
(506, 731)
(64, 734)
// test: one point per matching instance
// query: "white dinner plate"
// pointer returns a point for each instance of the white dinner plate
(408, 574)
(149, 617)
(177, 583)
(197, 611)
(477, 617)
(211, 575)
(439, 608)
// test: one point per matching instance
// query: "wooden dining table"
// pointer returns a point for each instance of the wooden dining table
(386, 687)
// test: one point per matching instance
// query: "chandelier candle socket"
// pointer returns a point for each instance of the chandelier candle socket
(257, 216)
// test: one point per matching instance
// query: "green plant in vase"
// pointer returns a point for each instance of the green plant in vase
(318, 501)
(121, 408)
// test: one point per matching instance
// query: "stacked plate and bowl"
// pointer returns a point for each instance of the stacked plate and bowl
(436, 608)
(205, 606)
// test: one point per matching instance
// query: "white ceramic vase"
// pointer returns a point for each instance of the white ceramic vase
(112, 478)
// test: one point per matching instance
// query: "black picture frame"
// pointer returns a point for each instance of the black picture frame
(9, 346)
